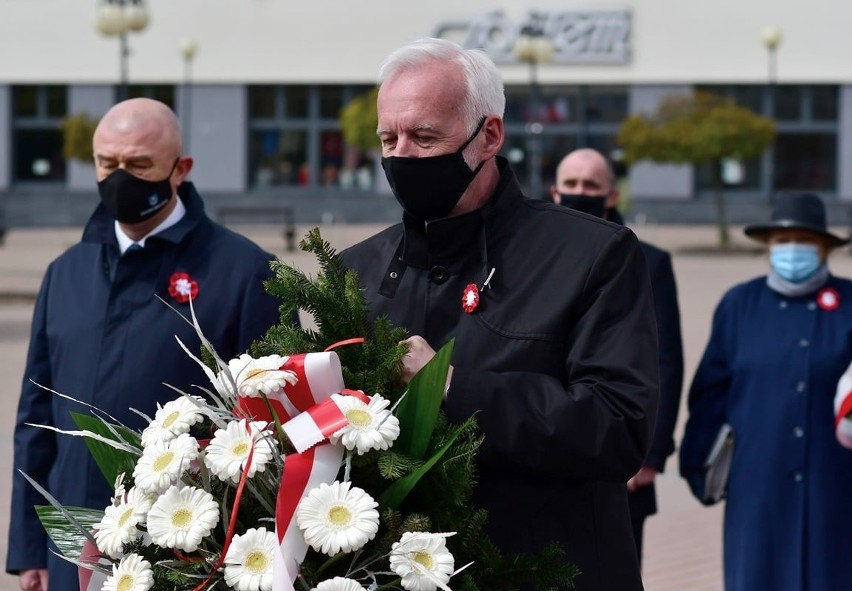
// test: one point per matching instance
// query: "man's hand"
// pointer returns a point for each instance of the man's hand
(419, 354)
(644, 477)
(34, 579)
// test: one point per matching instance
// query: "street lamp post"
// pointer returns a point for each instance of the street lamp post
(118, 18)
(534, 48)
(188, 49)
(771, 40)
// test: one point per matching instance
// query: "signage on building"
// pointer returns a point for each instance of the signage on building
(577, 36)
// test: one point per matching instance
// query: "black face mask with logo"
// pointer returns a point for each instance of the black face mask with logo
(590, 204)
(428, 188)
(132, 200)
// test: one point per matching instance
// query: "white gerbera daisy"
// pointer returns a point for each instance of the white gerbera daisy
(422, 560)
(371, 426)
(253, 376)
(118, 525)
(335, 518)
(339, 584)
(248, 563)
(131, 574)
(181, 518)
(228, 452)
(163, 462)
(173, 419)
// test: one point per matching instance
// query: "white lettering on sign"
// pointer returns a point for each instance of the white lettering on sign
(577, 36)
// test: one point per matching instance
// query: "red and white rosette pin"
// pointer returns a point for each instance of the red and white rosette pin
(470, 298)
(182, 287)
(828, 299)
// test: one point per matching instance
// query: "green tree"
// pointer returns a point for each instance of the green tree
(697, 129)
(77, 132)
(359, 120)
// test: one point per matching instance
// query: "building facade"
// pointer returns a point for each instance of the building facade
(260, 99)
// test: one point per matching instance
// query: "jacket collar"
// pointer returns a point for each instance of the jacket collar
(454, 240)
(100, 228)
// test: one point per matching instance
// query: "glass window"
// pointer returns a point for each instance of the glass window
(26, 101)
(262, 102)
(38, 155)
(750, 97)
(57, 101)
(751, 177)
(824, 103)
(788, 103)
(165, 93)
(806, 161)
(556, 104)
(296, 102)
(331, 101)
(606, 104)
(279, 157)
(37, 136)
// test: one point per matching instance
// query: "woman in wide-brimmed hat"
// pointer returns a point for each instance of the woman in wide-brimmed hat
(778, 347)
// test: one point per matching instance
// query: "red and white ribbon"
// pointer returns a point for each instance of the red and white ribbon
(91, 580)
(843, 408)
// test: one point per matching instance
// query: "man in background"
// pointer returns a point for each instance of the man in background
(585, 181)
(101, 335)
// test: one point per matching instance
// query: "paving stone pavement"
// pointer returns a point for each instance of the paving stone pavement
(682, 542)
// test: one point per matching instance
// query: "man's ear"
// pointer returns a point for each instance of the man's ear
(554, 194)
(494, 135)
(182, 169)
(612, 199)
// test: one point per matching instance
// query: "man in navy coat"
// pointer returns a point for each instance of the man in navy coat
(101, 335)
(585, 181)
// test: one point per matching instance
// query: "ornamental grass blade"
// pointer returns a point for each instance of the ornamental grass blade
(111, 461)
(418, 411)
(67, 535)
(396, 493)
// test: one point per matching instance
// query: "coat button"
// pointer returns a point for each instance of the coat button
(804, 343)
(438, 275)
(798, 432)
(798, 476)
(782, 304)
(811, 306)
(801, 387)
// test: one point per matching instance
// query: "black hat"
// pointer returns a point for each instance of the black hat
(804, 211)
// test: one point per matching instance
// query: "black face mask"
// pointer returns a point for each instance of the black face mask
(428, 188)
(592, 205)
(132, 200)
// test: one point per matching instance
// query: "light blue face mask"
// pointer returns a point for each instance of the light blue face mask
(794, 261)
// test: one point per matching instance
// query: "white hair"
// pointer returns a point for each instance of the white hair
(484, 83)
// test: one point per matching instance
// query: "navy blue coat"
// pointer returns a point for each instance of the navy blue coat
(100, 335)
(770, 370)
(558, 362)
(643, 501)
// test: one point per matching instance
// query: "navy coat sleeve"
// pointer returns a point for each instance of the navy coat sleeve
(35, 449)
(598, 424)
(707, 402)
(671, 356)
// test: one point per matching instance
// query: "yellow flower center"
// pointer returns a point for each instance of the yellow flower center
(339, 515)
(125, 583)
(424, 558)
(125, 517)
(181, 518)
(171, 419)
(163, 461)
(240, 449)
(256, 561)
(358, 417)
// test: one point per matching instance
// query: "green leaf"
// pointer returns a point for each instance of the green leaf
(418, 411)
(66, 535)
(396, 493)
(111, 461)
